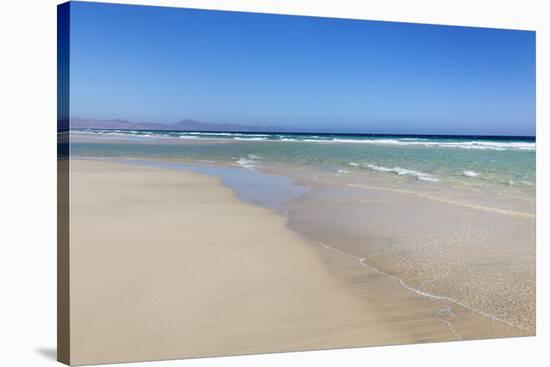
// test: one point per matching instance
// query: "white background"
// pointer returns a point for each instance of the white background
(28, 178)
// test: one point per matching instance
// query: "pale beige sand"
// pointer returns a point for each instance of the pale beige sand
(169, 264)
(476, 250)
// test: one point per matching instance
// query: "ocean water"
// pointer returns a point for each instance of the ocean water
(504, 164)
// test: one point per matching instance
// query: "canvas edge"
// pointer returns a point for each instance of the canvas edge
(63, 207)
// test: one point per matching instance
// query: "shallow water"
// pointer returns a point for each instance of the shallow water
(505, 165)
(269, 191)
(476, 250)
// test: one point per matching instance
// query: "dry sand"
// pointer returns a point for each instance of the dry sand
(170, 264)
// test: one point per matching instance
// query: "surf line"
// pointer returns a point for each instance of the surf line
(447, 201)
(439, 314)
(362, 262)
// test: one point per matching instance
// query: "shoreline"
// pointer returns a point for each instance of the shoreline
(414, 235)
(361, 280)
(346, 306)
(365, 258)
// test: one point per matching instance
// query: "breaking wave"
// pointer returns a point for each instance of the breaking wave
(403, 171)
(455, 143)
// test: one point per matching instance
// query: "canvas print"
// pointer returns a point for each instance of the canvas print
(233, 183)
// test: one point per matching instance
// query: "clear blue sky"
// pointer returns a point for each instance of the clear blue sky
(160, 64)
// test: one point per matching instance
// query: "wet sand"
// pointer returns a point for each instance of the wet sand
(170, 264)
(472, 250)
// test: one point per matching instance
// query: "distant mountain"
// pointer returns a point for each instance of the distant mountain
(184, 125)
(114, 124)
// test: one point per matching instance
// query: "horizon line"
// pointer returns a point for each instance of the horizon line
(290, 132)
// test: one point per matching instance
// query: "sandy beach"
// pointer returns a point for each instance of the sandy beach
(170, 264)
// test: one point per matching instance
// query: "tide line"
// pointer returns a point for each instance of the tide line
(443, 299)
(447, 201)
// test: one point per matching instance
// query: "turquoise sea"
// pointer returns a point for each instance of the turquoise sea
(492, 163)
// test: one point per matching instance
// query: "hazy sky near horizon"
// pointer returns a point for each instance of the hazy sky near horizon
(160, 64)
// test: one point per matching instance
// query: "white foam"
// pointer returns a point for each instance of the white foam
(249, 162)
(246, 163)
(249, 139)
(380, 168)
(226, 134)
(354, 164)
(474, 144)
(425, 142)
(470, 173)
(403, 171)
(428, 178)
